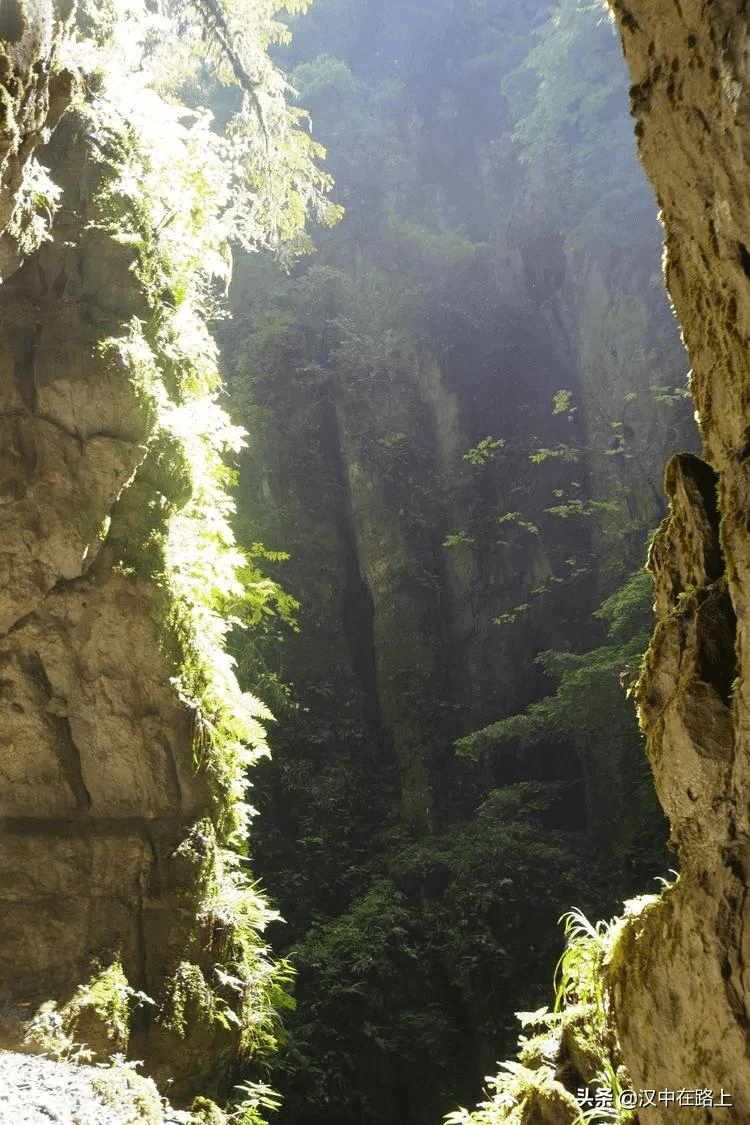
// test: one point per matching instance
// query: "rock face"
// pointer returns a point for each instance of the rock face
(98, 785)
(681, 986)
(107, 852)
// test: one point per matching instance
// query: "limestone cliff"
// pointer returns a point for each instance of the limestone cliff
(119, 793)
(680, 983)
(97, 776)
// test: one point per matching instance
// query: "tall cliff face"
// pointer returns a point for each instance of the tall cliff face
(98, 784)
(117, 805)
(447, 311)
(680, 984)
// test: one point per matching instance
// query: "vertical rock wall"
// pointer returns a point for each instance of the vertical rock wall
(96, 772)
(680, 977)
(107, 851)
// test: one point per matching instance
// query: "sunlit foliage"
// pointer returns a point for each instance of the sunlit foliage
(578, 1030)
(257, 163)
(175, 186)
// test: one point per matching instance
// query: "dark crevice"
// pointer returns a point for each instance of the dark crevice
(693, 479)
(141, 1018)
(706, 480)
(628, 20)
(66, 749)
(171, 772)
(21, 623)
(744, 258)
(716, 660)
(730, 927)
(70, 760)
(24, 368)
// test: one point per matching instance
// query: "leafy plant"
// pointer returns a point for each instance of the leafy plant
(458, 539)
(95, 1023)
(562, 403)
(483, 451)
(588, 681)
(559, 452)
(531, 1083)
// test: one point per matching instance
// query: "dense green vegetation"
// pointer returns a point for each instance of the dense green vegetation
(167, 187)
(459, 410)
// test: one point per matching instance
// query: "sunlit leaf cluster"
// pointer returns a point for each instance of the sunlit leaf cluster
(578, 1032)
(248, 174)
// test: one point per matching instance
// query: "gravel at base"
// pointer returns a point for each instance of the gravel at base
(37, 1091)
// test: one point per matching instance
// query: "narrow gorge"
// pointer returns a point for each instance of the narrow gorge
(348, 436)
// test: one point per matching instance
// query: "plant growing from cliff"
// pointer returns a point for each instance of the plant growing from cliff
(483, 450)
(566, 561)
(95, 1023)
(259, 170)
(173, 191)
(162, 154)
(591, 676)
(592, 695)
(37, 202)
(576, 977)
(531, 1085)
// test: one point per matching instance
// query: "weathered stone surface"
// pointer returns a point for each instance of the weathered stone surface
(681, 990)
(98, 786)
(115, 732)
(68, 896)
(666, 953)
